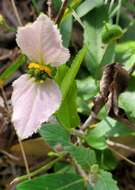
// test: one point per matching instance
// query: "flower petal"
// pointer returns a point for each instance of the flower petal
(33, 104)
(41, 41)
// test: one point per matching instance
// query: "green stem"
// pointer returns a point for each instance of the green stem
(132, 22)
(111, 5)
(118, 13)
(61, 12)
(106, 1)
(106, 26)
(35, 6)
(43, 168)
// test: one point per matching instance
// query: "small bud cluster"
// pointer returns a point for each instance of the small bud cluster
(40, 72)
(111, 32)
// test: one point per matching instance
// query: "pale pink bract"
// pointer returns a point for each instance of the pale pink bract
(33, 103)
(41, 41)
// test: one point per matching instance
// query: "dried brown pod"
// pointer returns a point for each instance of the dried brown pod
(117, 86)
(113, 82)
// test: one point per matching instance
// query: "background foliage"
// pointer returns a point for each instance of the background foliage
(98, 33)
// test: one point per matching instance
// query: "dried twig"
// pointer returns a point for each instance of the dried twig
(61, 12)
(122, 117)
(98, 104)
(16, 12)
(121, 156)
(9, 155)
(119, 145)
(4, 57)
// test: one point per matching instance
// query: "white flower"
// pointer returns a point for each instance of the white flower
(34, 102)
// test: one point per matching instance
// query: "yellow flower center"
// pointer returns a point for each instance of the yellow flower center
(40, 67)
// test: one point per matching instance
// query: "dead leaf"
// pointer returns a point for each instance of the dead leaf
(36, 150)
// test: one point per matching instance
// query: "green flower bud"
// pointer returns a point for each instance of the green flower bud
(111, 33)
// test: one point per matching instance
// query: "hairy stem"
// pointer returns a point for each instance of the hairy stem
(24, 158)
(43, 168)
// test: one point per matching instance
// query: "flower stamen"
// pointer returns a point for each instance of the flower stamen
(39, 67)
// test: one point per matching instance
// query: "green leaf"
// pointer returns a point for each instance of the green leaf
(89, 187)
(64, 167)
(97, 143)
(83, 107)
(111, 32)
(72, 72)
(118, 129)
(84, 156)
(101, 128)
(72, 5)
(126, 46)
(12, 68)
(93, 22)
(55, 134)
(131, 83)
(130, 62)
(108, 127)
(53, 182)
(87, 6)
(129, 34)
(66, 29)
(36, 6)
(109, 54)
(127, 102)
(56, 5)
(125, 53)
(105, 182)
(106, 159)
(87, 89)
(60, 74)
(67, 114)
